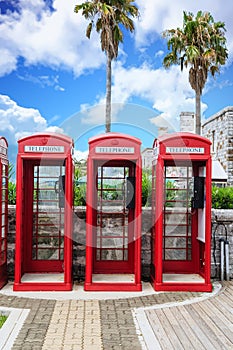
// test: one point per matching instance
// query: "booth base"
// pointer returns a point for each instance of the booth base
(184, 287)
(42, 282)
(43, 277)
(182, 283)
(113, 283)
(113, 278)
(182, 278)
(112, 287)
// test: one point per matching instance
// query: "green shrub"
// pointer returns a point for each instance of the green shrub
(146, 189)
(3, 319)
(222, 197)
(79, 194)
(11, 193)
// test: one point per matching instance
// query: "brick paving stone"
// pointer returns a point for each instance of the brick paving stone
(83, 324)
(32, 333)
(118, 329)
(74, 325)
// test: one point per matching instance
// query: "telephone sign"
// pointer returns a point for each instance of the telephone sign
(120, 150)
(44, 149)
(185, 150)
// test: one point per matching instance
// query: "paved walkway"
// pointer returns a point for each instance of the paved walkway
(155, 321)
(202, 323)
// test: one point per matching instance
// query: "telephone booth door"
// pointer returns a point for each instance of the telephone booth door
(182, 213)
(44, 213)
(3, 210)
(113, 213)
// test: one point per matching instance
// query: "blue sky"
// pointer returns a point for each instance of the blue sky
(52, 78)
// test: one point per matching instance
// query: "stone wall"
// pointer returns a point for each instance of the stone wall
(222, 222)
(219, 130)
(222, 228)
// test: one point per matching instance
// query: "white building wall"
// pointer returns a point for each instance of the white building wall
(219, 129)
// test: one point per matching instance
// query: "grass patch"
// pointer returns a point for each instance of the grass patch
(3, 319)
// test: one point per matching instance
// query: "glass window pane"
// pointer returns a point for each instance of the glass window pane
(3, 194)
(172, 254)
(46, 254)
(112, 255)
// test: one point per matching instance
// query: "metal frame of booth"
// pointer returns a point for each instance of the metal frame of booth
(3, 210)
(44, 203)
(113, 233)
(181, 211)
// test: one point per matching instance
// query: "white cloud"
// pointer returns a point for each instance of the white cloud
(43, 81)
(17, 121)
(95, 114)
(92, 115)
(8, 61)
(162, 88)
(168, 91)
(156, 16)
(79, 155)
(159, 53)
(56, 39)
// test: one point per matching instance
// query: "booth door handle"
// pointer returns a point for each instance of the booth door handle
(59, 189)
(130, 199)
(56, 187)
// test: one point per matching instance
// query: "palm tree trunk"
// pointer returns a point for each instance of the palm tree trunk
(198, 113)
(108, 93)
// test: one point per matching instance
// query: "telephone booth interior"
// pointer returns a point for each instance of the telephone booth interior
(3, 210)
(113, 236)
(181, 208)
(44, 199)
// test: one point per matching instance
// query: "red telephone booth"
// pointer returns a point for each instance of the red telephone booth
(43, 255)
(181, 207)
(113, 241)
(3, 210)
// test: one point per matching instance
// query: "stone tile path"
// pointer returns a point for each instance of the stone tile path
(74, 325)
(103, 324)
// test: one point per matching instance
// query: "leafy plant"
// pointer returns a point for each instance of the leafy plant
(222, 197)
(200, 46)
(3, 319)
(110, 19)
(170, 193)
(80, 194)
(79, 187)
(146, 188)
(11, 192)
(11, 171)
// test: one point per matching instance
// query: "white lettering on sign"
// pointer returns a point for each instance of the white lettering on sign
(44, 149)
(120, 150)
(3, 150)
(185, 150)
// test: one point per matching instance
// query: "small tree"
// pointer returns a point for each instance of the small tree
(200, 46)
(108, 16)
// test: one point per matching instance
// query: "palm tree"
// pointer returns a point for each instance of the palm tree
(108, 17)
(200, 46)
